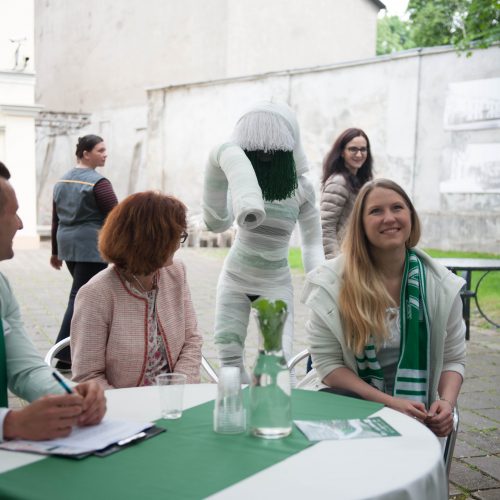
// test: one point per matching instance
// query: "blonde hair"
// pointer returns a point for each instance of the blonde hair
(363, 296)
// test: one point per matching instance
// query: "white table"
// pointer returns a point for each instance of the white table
(409, 466)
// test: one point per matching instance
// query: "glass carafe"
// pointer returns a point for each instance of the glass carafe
(270, 390)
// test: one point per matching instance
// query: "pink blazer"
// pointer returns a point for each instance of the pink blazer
(109, 329)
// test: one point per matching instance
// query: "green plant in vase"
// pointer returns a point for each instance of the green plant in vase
(270, 391)
(271, 317)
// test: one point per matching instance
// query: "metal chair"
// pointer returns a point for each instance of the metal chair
(450, 440)
(52, 352)
(298, 358)
(212, 375)
(55, 349)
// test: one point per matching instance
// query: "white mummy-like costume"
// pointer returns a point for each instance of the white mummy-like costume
(257, 264)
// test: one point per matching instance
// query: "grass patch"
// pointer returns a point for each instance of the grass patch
(489, 290)
(295, 258)
(489, 430)
(294, 255)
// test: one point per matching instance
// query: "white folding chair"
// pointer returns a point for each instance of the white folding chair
(298, 358)
(212, 375)
(52, 352)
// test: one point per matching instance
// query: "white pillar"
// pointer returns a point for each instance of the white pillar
(18, 154)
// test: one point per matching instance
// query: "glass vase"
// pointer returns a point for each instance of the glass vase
(270, 390)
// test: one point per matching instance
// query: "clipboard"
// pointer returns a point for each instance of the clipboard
(111, 435)
(137, 438)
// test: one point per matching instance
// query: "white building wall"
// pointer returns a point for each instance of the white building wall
(266, 35)
(17, 111)
(20, 159)
(95, 60)
(419, 111)
(101, 54)
(17, 35)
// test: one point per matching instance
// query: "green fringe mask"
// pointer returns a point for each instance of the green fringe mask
(276, 174)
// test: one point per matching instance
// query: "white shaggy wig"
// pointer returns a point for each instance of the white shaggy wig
(264, 131)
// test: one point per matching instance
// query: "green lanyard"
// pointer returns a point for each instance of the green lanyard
(4, 401)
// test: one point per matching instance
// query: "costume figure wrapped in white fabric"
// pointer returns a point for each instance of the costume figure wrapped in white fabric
(259, 180)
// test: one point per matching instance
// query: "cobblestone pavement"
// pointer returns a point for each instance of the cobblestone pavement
(42, 293)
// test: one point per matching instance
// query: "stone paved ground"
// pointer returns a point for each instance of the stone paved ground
(42, 293)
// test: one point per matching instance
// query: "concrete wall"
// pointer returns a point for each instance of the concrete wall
(102, 54)
(458, 158)
(427, 113)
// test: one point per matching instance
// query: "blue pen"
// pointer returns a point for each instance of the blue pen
(62, 383)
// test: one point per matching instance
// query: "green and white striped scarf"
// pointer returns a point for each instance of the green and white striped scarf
(412, 374)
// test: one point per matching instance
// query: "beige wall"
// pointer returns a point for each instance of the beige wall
(101, 54)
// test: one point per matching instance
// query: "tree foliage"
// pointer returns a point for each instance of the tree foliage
(466, 24)
(393, 35)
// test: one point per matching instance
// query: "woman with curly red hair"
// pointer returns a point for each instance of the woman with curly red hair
(136, 320)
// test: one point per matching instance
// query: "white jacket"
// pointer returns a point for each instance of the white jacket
(326, 337)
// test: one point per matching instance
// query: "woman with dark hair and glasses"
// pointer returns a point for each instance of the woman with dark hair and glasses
(82, 200)
(346, 168)
(136, 320)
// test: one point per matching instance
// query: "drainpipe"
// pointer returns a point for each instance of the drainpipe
(417, 123)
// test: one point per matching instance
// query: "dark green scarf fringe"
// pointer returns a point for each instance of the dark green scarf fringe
(276, 174)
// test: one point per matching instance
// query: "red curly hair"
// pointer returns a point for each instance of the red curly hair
(143, 231)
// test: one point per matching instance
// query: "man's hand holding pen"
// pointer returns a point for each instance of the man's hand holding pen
(54, 416)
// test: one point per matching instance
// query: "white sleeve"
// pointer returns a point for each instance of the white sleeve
(230, 171)
(454, 345)
(310, 229)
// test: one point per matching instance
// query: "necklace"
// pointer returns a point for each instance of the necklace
(142, 287)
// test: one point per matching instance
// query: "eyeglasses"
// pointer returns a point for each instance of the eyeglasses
(353, 150)
(184, 236)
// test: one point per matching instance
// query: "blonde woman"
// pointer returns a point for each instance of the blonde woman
(385, 319)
